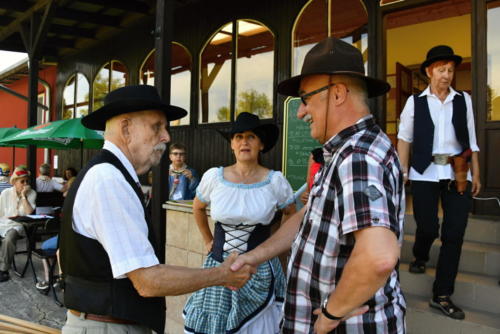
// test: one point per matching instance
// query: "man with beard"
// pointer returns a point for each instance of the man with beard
(113, 280)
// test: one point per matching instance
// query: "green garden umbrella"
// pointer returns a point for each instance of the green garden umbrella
(63, 134)
(6, 132)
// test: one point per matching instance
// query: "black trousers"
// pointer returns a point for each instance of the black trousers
(456, 209)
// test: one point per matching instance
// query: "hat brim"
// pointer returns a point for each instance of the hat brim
(456, 59)
(374, 87)
(267, 133)
(97, 119)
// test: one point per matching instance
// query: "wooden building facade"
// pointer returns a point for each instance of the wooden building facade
(226, 55)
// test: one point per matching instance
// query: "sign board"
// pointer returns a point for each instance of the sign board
(297, 144)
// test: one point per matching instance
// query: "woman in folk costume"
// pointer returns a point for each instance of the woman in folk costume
(243, 198)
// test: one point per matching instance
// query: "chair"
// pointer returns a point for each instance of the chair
(50, 228)
(54, 199)
(34, 233)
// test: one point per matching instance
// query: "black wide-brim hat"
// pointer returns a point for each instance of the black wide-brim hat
(333, 56)
(267, 133)
(129, 99)
(440, 52)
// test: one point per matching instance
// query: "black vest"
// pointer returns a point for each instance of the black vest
(89, 283)
(423, 130)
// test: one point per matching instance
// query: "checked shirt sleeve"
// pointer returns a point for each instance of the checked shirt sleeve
(367, 194)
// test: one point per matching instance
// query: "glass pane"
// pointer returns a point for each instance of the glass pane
(101, 86)
(119, 75)
(82, 110)
(69, 96)
(67, 113)
(310, 28)
(254, 69)
(82, 89)
(147, 71)
(215, 77)
(493, 61)
(180, 86)
(349, 22)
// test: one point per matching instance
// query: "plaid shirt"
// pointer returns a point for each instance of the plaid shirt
(360, 186)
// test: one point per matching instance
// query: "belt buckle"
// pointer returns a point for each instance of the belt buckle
(441, 159)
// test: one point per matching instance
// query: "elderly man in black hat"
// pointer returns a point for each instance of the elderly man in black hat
(114, 282)
(342, 271)
(439, 124)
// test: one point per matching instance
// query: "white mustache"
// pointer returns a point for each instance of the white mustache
(160, 148)
(307, 118)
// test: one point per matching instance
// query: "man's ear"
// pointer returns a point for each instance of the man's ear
(125, 124)
(340, 93)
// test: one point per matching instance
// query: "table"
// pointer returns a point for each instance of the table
(30, 225)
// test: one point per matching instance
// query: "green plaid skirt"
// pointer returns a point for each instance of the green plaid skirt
(217, 310)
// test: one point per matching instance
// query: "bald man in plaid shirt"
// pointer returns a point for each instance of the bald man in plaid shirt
(342, 271)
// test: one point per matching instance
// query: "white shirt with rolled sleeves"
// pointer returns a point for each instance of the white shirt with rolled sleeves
(445, 140)
(108, 210)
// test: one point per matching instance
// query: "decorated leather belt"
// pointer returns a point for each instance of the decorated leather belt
(441, 159)
(102, 318)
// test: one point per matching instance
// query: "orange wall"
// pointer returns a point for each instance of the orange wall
(14, 112)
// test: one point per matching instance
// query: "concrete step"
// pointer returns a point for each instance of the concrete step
(474, 292)
(479, 229)
(422, 319)
(476, 258)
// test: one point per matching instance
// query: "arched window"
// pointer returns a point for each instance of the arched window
(76, 97)
(250, 62)
(319, 19)
(180, 79)
(43, 115)
(111, 76)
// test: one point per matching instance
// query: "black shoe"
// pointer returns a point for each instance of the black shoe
(4, 276)
(446, 306)
(417, 267)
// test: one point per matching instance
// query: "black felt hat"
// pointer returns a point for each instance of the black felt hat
(267, 133)
(333, 56)
(440, 52)
(129, 99)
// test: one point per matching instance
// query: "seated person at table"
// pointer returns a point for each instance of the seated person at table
(69, 176)
(48, 245)
(45, 184)
(4, 176)
(16, 201)
(182, 180)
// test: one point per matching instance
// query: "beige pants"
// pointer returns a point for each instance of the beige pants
(79, 325)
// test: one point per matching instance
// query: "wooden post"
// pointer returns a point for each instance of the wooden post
(33, 35)
(163, 44)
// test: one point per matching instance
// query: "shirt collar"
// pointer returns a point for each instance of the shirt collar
(450, 96)
(340, 138)
(123, 159)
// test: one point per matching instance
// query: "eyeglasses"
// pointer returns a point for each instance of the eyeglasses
(314, 92)
(178, 153)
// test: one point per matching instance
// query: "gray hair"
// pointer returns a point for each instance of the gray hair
(45, 169)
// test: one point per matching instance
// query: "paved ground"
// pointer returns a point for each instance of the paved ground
(20, 299)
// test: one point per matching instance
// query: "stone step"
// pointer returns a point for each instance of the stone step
(476, 258)
(479, 229)
(474, 292)
(422, 319)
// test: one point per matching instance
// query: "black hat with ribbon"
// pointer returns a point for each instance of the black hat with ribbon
(129, 99)
(440, 52)
(333, 56)
(267, 133)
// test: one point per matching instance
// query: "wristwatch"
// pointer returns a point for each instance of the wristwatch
(325, 311)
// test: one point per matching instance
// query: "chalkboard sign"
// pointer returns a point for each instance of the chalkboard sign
(297, 144)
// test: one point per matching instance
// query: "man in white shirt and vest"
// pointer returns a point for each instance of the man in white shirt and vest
(439, 126)
(114, 282)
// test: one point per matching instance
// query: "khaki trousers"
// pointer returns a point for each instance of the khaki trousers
(8, 249)
(79, 325)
